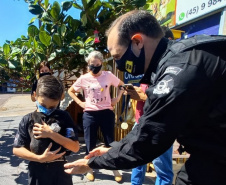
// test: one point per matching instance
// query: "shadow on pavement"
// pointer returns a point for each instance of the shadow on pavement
(22, 178)
(7, 155)
(15, 168)
(99, 175)
(10, 120)
(6, 148)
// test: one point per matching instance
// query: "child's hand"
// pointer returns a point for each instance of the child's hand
(50, 155)
(42, 130)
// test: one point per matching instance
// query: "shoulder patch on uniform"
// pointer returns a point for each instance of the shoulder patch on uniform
(164, 86)
(173, 70)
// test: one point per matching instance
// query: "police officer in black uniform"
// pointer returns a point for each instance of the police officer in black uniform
(186, 100)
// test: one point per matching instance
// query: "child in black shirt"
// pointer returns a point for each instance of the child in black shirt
(45, 136)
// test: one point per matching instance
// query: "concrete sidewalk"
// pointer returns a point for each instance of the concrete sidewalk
(14, 170)
(17, 106)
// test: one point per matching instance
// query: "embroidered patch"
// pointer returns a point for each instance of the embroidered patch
(173, 70)
(164, 86)
(55, 127)
(70, 132)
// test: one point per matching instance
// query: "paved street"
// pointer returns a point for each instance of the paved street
(15, 105)
(5, 97)
(14, 170)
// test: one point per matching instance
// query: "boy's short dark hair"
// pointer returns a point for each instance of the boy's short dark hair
(50, 87)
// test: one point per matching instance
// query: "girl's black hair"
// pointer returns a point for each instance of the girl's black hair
(50, 87)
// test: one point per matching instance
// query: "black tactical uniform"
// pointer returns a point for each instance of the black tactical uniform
(186, 101)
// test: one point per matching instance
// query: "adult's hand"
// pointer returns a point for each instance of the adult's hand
(50, 155)
(77, 167)
(136, 94)
(97, 152)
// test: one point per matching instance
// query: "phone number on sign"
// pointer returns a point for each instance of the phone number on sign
(202, 7)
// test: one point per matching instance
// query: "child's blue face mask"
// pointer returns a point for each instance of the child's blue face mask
(44, 110)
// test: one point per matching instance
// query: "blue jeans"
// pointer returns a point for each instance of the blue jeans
(163, 167)
(138, 174)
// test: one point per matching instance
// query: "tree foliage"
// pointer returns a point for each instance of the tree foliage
(60, 39)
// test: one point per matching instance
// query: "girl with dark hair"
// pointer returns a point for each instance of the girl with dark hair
(44, 69)
(46, 135)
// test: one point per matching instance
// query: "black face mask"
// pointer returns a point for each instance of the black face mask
(43, 74)
(131, 63)
(95, 69)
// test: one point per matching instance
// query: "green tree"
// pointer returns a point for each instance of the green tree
(59, 38)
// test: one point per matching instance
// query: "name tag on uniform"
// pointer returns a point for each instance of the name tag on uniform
(173, 70)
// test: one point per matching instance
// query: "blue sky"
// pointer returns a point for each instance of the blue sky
(15, 17)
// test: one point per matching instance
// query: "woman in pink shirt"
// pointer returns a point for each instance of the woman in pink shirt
(98, 105)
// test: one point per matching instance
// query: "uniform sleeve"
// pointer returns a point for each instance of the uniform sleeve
(78, 84)
(178, 95)
(114, 80)
(22, 138)
(71, 129)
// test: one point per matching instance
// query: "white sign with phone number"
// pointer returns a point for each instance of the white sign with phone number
(190, 9)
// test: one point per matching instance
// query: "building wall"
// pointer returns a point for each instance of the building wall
(209, 25)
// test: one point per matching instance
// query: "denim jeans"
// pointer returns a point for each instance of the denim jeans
(138, 174)
(163, 167)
